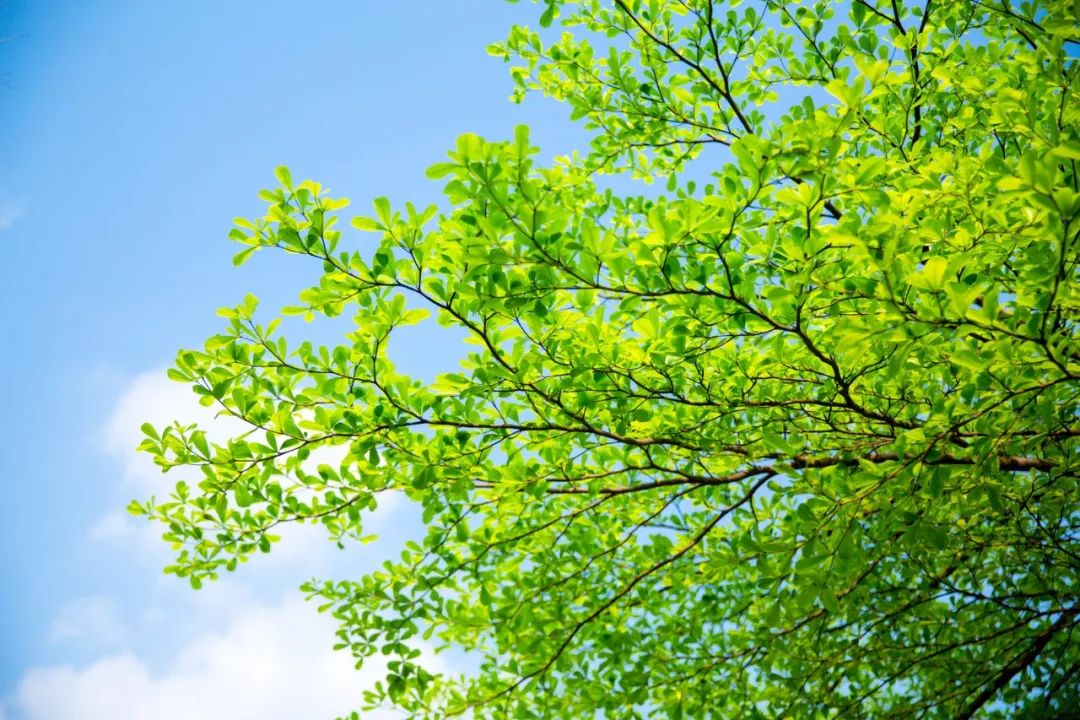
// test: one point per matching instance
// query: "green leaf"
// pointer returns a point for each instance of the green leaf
(449, 384)
(932, 274)
(1068, 149)
(241, 257)
(243, 497)
(547, 15)
(382, 209)
(365, 224)
(283, 176)
(440, 170)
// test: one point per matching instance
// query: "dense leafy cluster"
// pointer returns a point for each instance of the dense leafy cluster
(796, 441)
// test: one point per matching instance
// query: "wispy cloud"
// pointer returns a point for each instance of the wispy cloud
(89, 620)
(12, 210)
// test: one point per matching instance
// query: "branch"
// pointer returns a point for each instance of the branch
(1017, 665)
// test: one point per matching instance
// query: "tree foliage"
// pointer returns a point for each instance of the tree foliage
(796, 440)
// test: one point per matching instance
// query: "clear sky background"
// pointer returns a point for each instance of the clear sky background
(131, 133)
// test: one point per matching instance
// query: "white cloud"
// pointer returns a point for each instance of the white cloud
(152, 397)
(304, 549)
(118, 528)
(270, 663)
(92, 619)
(246, 646)
(111, 526)
(11, 211)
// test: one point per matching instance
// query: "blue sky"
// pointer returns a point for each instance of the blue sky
(131, 133)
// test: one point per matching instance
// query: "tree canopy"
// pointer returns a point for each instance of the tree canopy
(798, 439)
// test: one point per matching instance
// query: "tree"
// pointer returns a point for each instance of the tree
(796, 441)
